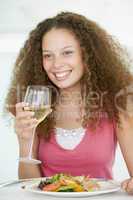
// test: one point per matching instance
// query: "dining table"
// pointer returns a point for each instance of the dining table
(17, 191)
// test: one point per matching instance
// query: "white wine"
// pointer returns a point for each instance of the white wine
(40, 112)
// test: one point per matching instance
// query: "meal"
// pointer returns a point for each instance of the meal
(67, 183)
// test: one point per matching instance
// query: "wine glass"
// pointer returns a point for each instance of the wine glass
(39, 101)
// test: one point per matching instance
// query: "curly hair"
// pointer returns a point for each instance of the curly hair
(107, 69)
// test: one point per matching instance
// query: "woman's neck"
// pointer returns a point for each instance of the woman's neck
(69, 108)
(70, 96)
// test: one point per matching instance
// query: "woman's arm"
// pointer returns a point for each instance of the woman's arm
(125, 139)
(28, 170)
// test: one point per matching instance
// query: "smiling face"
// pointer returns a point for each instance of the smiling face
(62, 58)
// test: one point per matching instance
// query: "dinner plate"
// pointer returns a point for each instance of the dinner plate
(107, 186)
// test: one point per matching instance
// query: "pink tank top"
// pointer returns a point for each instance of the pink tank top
(93, 156)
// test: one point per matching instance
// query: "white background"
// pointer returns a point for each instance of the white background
(17, 18)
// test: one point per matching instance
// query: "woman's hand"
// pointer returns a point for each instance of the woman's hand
(127, 185)
(24, 122)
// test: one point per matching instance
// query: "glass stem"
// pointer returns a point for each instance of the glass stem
(32, 142)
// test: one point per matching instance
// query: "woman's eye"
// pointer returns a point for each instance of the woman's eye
(67, 52)
(47, 56)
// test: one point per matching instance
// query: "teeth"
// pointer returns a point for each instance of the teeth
(62, 74)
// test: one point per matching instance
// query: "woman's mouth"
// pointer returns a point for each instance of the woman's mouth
(60, 76)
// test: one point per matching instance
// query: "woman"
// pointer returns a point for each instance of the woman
(88, 69)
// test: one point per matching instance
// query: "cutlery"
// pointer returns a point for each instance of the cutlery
(13, 182)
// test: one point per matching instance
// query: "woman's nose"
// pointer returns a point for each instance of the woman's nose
(58, 62)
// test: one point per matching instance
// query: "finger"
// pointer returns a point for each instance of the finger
(25, 133)
(129, 188)
(20, 106)
(25, 114)
(25, 123)
(124, 184)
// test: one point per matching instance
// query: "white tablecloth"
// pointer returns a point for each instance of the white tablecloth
(15, 192)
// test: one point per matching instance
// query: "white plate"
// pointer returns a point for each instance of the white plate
(106, 187)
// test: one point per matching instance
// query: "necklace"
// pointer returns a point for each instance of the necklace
(70, 132)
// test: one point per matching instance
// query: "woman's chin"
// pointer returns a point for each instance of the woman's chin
(66, 85)
(63, 85)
